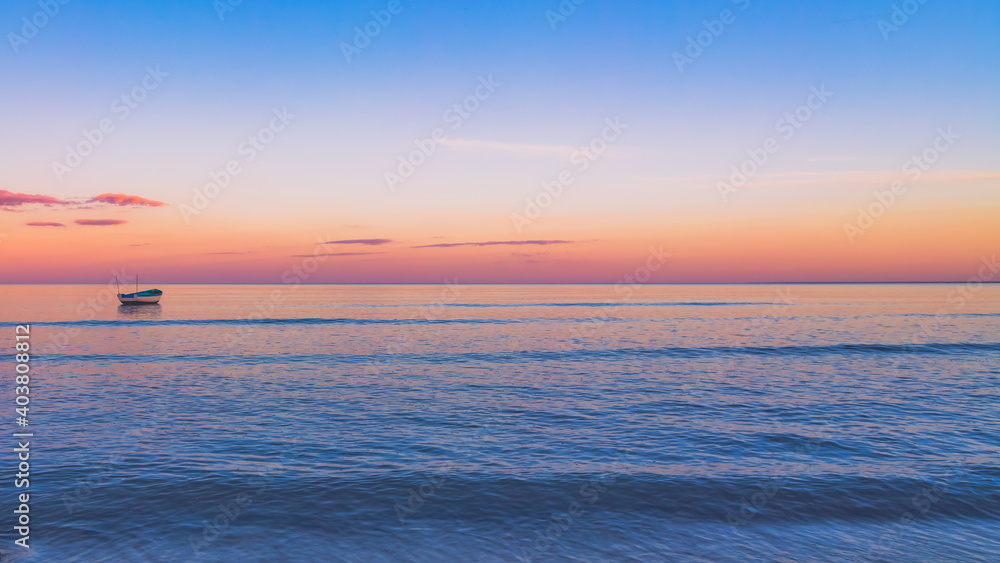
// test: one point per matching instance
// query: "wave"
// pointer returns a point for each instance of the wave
(621, 304)
(522, 356)
(567, 304)
(360, 321)
(434, 321)
(969, 493)
(267, 321)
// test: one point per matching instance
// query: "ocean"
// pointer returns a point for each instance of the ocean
(495, 423)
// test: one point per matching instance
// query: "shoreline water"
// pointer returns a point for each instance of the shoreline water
(746, 422)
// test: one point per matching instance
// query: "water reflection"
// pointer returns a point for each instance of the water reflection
(140, 312)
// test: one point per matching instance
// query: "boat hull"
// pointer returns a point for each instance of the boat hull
(150, 297)
(140, 300)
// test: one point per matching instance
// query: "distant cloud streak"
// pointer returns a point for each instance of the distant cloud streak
(100, 222)
(497, 243)
(364, 241)
(42, 224)
(122, 199)
(336, 254)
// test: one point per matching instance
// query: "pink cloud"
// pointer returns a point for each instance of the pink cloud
(336, 254)
(43, 224)
(100, 222)
(122, 199)
(12, 199)
(364, 241)
(497, 243)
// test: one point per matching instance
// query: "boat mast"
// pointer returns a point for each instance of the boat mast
(118, 289)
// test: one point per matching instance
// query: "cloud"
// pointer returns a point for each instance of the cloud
(12, 199)
(226, 253)
(100, 222)
(42, 224)
(122, 199)
(364, 241)
(9, 201)
(336, 254)
(497, 243)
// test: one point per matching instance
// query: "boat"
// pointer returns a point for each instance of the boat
(145, 297)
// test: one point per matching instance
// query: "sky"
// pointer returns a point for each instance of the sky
(585, 141)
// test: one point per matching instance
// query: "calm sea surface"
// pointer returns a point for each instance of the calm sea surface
(505, 423)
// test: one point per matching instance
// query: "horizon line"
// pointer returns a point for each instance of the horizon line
(458, 282)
